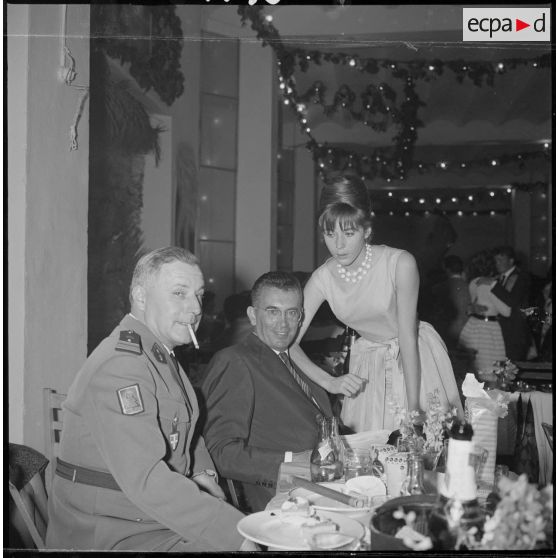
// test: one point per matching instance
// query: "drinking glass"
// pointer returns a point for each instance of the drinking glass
(357, 462)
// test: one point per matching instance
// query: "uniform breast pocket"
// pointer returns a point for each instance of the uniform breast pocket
(175, 421)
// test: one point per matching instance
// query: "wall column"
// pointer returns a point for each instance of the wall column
(18, 48)
(305, 224)
(256, 219)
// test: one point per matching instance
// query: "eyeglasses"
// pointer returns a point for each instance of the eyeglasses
(274, 314)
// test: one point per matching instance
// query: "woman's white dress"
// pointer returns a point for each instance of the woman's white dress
(370, 308)
(484, 337)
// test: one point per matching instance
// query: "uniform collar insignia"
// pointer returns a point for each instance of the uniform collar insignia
(159, 353)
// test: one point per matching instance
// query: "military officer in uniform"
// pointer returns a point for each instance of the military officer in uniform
(132, 474)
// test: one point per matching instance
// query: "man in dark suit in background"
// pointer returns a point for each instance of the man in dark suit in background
(512, 288)
(261, 409)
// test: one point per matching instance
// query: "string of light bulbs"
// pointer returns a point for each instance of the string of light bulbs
(379, 107)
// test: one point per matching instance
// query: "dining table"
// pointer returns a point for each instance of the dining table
(371, 541)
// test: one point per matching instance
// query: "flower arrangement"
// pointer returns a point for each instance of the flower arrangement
(505, 371)
(437, 423)
(523, 519)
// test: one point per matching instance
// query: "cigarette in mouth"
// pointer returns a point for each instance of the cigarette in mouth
(193, 336)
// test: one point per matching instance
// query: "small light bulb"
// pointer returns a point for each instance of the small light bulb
(438, 200)
(460, 213)
(406, 200)
(422, 200)
(470, 198)
(454, 200)
(491, 194)
(390, 194)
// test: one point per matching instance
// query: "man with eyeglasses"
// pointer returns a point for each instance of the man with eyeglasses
(261, 409)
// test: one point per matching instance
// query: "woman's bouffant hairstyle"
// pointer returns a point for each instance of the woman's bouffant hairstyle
(481, 264)
(344, 199)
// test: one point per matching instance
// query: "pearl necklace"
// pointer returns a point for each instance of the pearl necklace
(356, 276)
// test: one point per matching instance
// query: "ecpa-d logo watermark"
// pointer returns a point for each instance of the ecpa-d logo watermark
(506, 24)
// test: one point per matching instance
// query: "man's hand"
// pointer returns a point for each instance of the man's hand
(207, 483)
(348, 384)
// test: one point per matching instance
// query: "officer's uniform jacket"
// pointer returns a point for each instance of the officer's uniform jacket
(255, 413)
(131, 412)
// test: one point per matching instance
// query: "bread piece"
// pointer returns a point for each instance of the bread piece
(318, 525)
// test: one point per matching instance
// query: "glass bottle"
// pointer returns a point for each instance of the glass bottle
(338, 445)
(350, 338)
(457, 509)
(324, 461)
(414, 483)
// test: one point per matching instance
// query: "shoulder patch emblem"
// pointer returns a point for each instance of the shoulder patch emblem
(129, 341)
(159, 354)
(130, 400)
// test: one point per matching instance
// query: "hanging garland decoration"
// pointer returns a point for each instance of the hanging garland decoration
(383, 98)
(150, 39)
(378, 103)
(330, 158)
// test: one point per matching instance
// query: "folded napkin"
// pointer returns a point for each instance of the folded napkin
(365, 439)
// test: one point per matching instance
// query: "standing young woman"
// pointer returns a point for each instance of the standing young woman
(373, 289)
(482, 332)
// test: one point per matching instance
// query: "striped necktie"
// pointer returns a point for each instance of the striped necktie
(303, 385)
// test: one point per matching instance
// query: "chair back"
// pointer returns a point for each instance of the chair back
(28, 513)
(53, 420)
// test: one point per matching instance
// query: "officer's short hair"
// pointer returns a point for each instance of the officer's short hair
(282, 280)
(149, 264)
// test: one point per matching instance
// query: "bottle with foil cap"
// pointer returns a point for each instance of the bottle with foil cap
(324, 461)
(338, 445)
(350, 338)
(457, 510)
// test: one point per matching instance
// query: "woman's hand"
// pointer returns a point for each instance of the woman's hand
(348, 384)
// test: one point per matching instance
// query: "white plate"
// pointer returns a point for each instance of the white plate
(367, 485)
(324, 503)
(266, 528)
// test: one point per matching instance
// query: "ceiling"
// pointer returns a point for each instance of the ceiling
(516, 113)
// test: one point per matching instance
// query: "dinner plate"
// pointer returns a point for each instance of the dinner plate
(266, 528)
(324, 503)
(367, 485)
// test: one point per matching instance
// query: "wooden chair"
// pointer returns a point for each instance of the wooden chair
(28, 513)
(233, 494)
(53, 419)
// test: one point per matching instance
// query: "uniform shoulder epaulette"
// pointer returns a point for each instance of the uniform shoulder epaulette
(129, 341)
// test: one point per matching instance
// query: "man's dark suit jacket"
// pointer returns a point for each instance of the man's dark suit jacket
(255, 413)
(515, 329)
